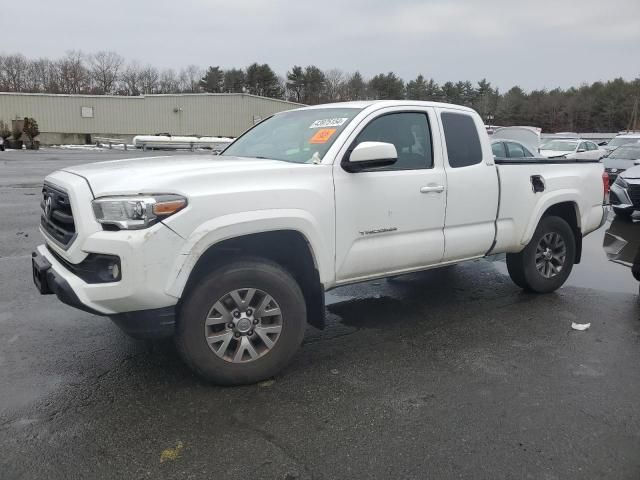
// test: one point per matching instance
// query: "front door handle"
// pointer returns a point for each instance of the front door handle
(432, 189)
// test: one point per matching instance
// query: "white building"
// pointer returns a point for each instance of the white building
(77, 118)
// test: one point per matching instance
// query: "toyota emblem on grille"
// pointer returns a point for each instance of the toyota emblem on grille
(47, 207)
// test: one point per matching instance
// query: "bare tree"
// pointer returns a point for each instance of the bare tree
(190, 79)
(149, 77)
(105, 69)
(131, 79)
(334, 84)
(15, 72)
(168, 82)
(73, 73)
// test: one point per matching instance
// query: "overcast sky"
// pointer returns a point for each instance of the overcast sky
(534, 44)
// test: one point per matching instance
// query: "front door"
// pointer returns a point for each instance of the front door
(391, 219)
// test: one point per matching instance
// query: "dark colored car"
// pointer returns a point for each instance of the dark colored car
(622, 245)
(620, 160)
(625, 193)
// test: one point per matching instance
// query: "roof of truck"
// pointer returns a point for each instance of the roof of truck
(362, 104)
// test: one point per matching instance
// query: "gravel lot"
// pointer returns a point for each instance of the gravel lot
(446, 374)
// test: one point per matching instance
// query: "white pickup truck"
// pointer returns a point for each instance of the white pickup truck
(232, 254)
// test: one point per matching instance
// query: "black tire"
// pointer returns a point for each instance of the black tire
(624, 214)
(255, 273)
(522, 266)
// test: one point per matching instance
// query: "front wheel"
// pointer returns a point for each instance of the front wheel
(546, 262)
(242, 323)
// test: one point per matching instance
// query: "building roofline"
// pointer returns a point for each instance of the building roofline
(140, 97)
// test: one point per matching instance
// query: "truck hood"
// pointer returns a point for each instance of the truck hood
(169, 174)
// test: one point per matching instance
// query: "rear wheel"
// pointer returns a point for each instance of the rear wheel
(546, 262)
(242, 323)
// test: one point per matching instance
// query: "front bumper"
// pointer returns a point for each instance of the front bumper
(148, 324)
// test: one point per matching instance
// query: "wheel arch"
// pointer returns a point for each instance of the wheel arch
(287, 247)
(570, 213)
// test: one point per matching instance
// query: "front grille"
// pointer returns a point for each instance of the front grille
(57, 217)
(634, 195)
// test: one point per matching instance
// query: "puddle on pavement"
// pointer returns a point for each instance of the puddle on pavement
(369, 312)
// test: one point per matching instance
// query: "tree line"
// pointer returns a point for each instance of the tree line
(597, 107)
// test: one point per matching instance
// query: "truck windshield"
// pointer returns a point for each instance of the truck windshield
(299, 136)
(560, 145)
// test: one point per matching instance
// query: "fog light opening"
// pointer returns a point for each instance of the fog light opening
(114, 270)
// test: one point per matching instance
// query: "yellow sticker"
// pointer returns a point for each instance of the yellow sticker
(322, 136)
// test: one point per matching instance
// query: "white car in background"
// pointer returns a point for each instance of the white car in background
(622, 139)
(572, 149)
(1, 144)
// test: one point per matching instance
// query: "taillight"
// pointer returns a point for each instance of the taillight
(605, 186)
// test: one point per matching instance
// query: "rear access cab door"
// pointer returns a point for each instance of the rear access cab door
(390, 219)
(473, 187)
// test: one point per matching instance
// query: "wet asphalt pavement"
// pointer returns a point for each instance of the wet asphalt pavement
(453, 373)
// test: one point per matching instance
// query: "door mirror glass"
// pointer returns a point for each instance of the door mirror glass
(370, 155)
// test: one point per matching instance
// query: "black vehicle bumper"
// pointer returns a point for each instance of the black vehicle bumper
(142, 324)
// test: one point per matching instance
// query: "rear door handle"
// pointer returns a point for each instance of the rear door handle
(432, 189)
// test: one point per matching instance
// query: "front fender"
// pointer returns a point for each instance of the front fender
(246, 223)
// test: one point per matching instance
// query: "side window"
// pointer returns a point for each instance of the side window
(515, 150)
(499, 150)
(461, 137)
(409, 132)
(592, 146)
(582, 146)
(527, 153)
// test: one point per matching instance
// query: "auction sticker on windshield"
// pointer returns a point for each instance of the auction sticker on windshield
(322, 136)
(328, 122)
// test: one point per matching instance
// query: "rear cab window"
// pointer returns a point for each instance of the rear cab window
(461, 137)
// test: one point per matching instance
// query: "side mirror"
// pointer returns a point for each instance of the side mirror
(370, 155)
(602, 144)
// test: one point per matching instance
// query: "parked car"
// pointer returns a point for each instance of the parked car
(621, 159)
(510, 149)
(529, 137)
(622, 245)
(625, 193)
(232, 255)
(620, 140)
(572, 149)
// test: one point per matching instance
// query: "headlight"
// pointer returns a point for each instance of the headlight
(136, 212)
(621, 182)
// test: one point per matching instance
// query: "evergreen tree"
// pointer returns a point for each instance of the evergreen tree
(417, 89)
(234, 81)
(387, 87)
(261, 80)
(295, 84)
(213, 80)
(356, 88)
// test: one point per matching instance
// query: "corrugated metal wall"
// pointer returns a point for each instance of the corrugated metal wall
(200, 114)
